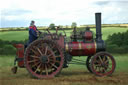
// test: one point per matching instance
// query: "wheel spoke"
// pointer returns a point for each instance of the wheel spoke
(52, 46)
(46, 50)
(100, 59)
(39, 51)
(33, 56)
(55, 51)
(37, 67)
(35, 64)
(57, 61)
(104, 58)
(97, 62)
(42, 45)
(109, 68)
(41, 70)
(46, 69)
(34, 51)
(32, 61)
(98, 65)
(106, 61)
(51, 61)
(57, 56)
(99, 69)
(95, 67)
(54, 66)
(50, 55)
(103, 70)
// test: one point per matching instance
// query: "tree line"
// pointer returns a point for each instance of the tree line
(118, 42)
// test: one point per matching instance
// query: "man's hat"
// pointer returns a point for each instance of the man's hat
(32, 21)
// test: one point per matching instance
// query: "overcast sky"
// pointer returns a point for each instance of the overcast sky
(19, 13)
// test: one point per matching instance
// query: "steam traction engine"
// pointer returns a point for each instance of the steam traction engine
(46, 56)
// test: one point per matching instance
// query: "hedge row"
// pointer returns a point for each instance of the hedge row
(118, 42)
(6, 47)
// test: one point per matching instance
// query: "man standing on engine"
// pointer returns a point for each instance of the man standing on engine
(32, 32)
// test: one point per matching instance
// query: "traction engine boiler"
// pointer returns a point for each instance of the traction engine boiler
(88, 45)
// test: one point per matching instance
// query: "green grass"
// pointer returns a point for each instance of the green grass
(110, 30)
(22, 35)
(121, 61)
(14, 35)
(74, 75)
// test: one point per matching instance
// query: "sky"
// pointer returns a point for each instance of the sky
(19, 13)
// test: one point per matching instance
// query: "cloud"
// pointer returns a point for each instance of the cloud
(14, 23)
(113, 11)
(102, 2)
(62, 12)
(15, 12)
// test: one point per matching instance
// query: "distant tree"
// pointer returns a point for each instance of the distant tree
(26, 28)
(52, 26)
(120, 39)
(61, 26)
(117, 43)
(66, 26)
(18, 29)
(74, 24)
(11, 29)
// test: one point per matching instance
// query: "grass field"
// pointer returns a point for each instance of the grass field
(74, 75)
(22, 35)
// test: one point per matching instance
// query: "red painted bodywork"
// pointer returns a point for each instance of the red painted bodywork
(61, 41)
(20, 54)
(85, 48)
(80, 48)
(88, 35)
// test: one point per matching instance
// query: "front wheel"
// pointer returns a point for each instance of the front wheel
(103, 64)
(88, 61)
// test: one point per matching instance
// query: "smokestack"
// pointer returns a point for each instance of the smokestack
(98, 26)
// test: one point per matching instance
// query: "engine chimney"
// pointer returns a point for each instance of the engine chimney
(98, 26)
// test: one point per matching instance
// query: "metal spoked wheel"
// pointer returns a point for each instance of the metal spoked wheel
(88, 61)
(103, 64)
(44, 59)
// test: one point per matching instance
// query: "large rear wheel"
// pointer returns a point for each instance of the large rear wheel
(44, 59)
